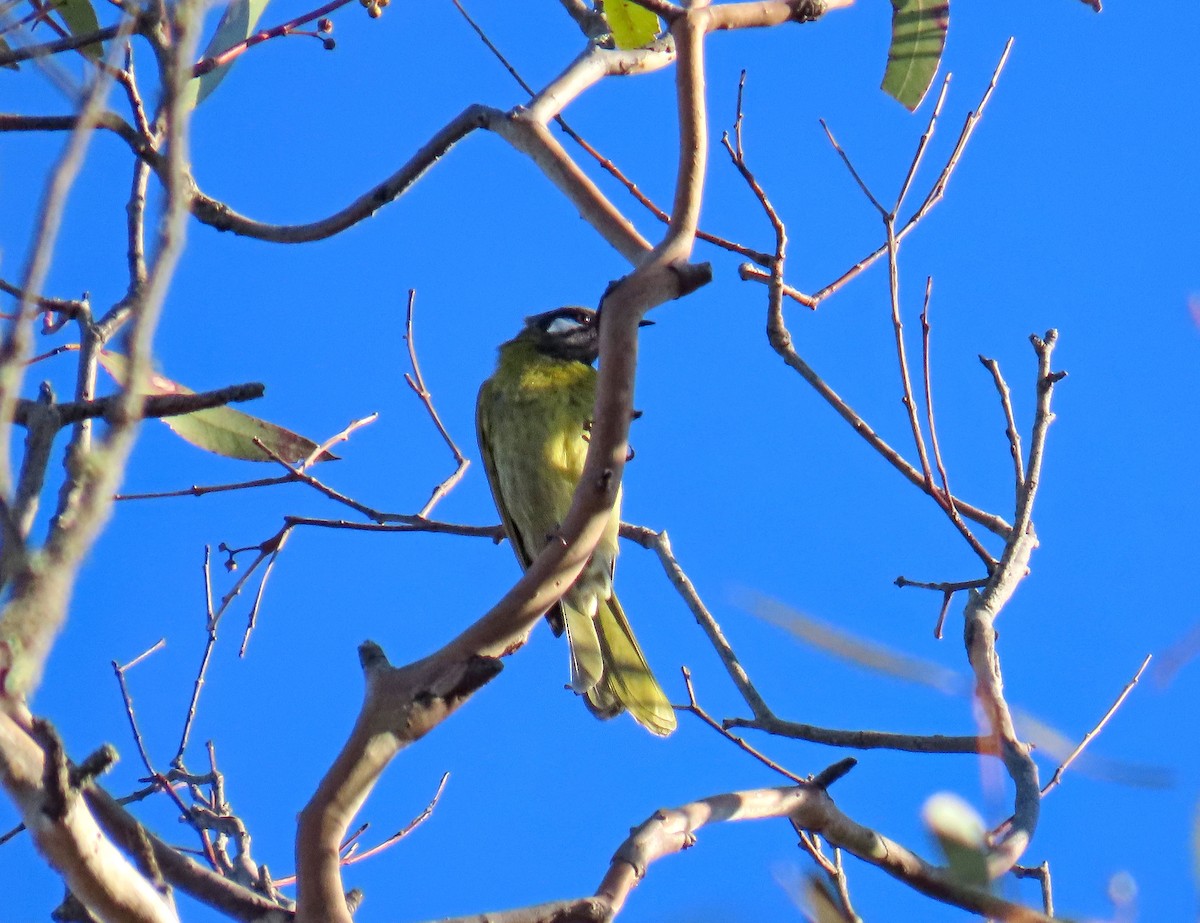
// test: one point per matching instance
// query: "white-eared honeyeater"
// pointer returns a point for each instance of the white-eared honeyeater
(533, 417)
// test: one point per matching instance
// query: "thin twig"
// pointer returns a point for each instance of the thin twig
(922, 146)
(205, 65)
(660, 544)
(356, 857)
(69, 43)
(1042, 418)
(252, 616)
(834, 870)
(1042, 874)
(197, 490)
(119, 672)
(693, 706)
(866, 190)
(937, 190)
(67, 306)
(127, 78)
(1011, 431)
(210, 627)
(947, 590)
(320, 451)
(416, 381)
(1091, 735)
(946, 499)
(153, 649)
(305, 478)
(159, 780)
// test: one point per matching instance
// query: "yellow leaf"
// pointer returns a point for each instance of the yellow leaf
(632, 26)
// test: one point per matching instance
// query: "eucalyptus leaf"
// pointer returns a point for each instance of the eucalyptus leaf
(222, 430)
(918, 39)
(632, 26)
(81, 20)
(237, 24)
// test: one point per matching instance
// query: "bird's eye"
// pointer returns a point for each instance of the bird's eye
(563, 325)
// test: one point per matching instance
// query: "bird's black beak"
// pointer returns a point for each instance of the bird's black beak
(645, 323)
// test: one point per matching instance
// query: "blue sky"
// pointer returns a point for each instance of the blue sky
(1074, 208)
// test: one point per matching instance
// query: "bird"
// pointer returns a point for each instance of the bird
(532, 419)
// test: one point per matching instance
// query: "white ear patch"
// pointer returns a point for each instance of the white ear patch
(563, 325)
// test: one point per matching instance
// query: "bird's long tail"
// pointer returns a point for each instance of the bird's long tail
(627, 682)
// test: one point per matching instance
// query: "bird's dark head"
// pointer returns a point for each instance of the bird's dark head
(571, 333)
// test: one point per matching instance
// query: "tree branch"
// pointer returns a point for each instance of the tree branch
(66, 833)
(157, 405)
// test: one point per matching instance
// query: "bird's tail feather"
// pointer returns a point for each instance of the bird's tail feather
(627, 681)
(587, 657)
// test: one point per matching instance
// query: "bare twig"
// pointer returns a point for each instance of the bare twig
(1041, 873)
(230, 54)
(866, 190)
(159, 780)
(781, 341)
(764, 719)
(319, 452)
(1091, 735)
(936, 192)
(660, 544)
(947, 590)
(210, 627)
(416, 381)
(252, 615)
(834, 871)
(158, 405)
(68, 43)
(1014, 435)
(69, 307)
(197, 490)
(694, 707)
(946, 499)
(352, 858)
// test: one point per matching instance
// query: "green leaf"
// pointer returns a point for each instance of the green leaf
(81, 20)
(918, 38)
(632, 26)
(959, 831)
(237, 24)
(222, 430)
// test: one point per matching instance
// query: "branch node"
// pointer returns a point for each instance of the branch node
(826, 777)
(691, 276)
(95, 764)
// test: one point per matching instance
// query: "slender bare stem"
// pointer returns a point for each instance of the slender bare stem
(693, 706)
(1091, 735)
(416, 381)
(946, 498)
(1011, 431)
(936, 192)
